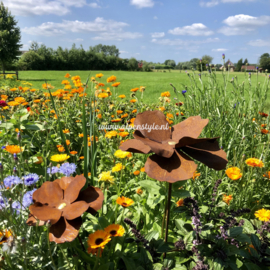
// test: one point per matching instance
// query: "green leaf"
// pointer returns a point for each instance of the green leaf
(151, 235)
(234, 232)
(243, 238)
(157, 266)
(181, 193)
(129, 263)
(221, 204)
(107, 266)
(7, 125)
(255, 241)
(188, 238)
(150, 186)
(251, 266)
(103, 222)
(239, 263)
(84, 256)
(179, 223)
(182, 267)
(248, 227)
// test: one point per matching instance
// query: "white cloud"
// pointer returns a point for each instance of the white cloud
(42, 7)
(155, 17)
(213, 3)
(196, 29)
(117, 36)
(180, 42)
(142, 3)
(158, 35)
(243, 24)
(219, 50)
(259, 43)
(106, 29)
(98, 25)
(94, 5)
(122, 52)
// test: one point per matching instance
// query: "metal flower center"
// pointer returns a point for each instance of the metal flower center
(61, 206)
(172, 143)
(98, 241)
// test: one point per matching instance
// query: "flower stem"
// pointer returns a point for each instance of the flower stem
(168, 211)
(50, 249)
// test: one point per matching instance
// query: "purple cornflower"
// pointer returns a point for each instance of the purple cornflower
(68, 168)
(53, 170)
(28, 198)
(30, 179)
(12, 180)
(3, 147)
(16, 206)
(223, 56)
(184, 91)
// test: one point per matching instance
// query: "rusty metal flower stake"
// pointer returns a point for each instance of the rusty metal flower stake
(61, 203)
(174, 149)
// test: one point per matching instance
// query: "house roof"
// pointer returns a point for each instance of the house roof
(248, 67)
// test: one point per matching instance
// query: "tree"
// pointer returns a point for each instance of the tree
(10, 37)
(239, 65)
(34, 46)
(170, 63)
(208, 59)
(245, 62)
(265, 61)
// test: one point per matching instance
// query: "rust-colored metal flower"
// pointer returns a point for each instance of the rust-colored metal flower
(62, 203)
(174, 148)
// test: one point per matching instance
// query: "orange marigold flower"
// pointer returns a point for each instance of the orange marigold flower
(111, 134)
(115, 230)
(103, 95)
(111, 79)
(263, 125)
(136, 173)
(119, 111)
(67, 75)
(169, 115)
(195, 175)
(143, 169)
(124, 115)
(116, 120)
(122, 96)
(227, 199)
(166, 94)
(61, 148)
(66, 131)
(13, 149)
(134, 89)
(101, 84)
(133, 101)
(162, 109)
(99, 116)
(234, 173)
(180, 202)
(139, 191)
(125, 202)
(134, 111)
(116, 84)
(123, 134)
(254, 162)
(67, 142)
(73, 152)
(264, 131)
(99, 75)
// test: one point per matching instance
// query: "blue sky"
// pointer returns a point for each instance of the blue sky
(151, 30)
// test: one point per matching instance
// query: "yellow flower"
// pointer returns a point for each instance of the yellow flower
(118, 167)
(106, 177)
(254, 162)
(66, 131)
(125, 202)
(115, 230)
(13, 149)
(111, 134)
(13, 103)
(98, 239)
(180, 202)
(60, 158)
(121, 154)
(103, 95)
(139, 191)
(122, 96)
(227, 199)
(166, 94)
(263, 214)
(99, 75)
(234, 173)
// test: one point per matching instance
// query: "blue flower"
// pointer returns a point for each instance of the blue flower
(28, 198)
(16, 206)
(53, 170)
(184, 91)
(30, 179)
(3, 202)
(12, 180)
(3, 147)
(68, 168)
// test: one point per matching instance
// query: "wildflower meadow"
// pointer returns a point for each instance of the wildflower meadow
(95, 178)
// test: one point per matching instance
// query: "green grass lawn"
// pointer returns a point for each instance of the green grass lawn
(155, 82)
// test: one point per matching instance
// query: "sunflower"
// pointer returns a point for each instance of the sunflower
(125, 202)
(4, 235)
(115, 230)
(60, 158)
(13, 149)
(98, 239)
